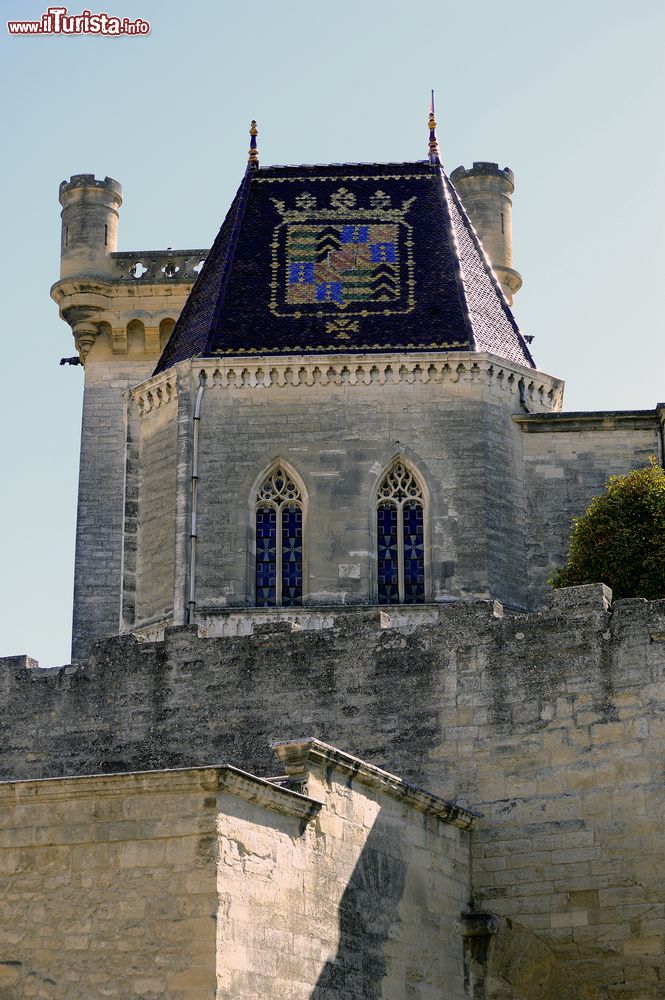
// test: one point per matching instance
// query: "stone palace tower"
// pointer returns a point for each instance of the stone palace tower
(349, 332)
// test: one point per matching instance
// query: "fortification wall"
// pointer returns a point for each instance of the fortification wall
(552, 724)
(362, 902)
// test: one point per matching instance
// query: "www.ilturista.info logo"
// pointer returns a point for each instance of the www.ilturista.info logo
(56, 21)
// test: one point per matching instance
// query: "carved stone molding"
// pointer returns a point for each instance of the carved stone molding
(533, 389)
(157, 392)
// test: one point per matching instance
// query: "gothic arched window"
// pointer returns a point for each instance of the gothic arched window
(279, 513)
(400, 538)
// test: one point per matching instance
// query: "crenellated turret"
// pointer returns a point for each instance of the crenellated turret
(121, 308)
(89, 225)
(89, 235)
(486, 191)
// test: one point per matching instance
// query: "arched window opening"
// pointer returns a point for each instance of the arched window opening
(165, 330)
(279, 510)
(401, 538)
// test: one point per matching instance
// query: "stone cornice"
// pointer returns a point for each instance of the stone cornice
(98, 292)
(528, 387)
(575, 421)
(85, 303)
(299, 757)
(182, 780)
(268, 794)
(188, 779)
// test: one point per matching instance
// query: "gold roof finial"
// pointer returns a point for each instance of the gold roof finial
(253, 157)
(434, 156)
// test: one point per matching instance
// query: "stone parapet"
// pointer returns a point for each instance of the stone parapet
(148, 267)
(590, 597)
(234, 622)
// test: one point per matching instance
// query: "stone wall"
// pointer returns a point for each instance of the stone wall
(338, 425)
(568, 458)
(155, 541)
(101, 499)
(364, 903)
(552, 724)
(500, 486)
(108, 887)
(209, 882)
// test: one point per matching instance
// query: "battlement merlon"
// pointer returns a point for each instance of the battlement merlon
(90, 181)
(484, 168)
(102, 290)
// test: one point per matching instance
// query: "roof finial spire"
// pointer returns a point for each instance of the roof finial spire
(253, 158)
(433, 141)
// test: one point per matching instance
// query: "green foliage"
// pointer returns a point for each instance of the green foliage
(620, 539)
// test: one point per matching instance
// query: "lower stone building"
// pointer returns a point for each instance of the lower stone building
(336, 880)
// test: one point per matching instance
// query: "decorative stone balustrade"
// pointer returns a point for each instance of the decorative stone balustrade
(150, 266)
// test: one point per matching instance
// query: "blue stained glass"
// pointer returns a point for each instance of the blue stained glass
(266, 557)
(388, 589)
(291, 516)
(414, 553)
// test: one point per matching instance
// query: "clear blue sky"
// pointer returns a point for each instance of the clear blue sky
(570, 95)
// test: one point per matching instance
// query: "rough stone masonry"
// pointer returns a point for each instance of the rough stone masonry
(551, 724)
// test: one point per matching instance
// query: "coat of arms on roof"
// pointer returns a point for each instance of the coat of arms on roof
(342, 256)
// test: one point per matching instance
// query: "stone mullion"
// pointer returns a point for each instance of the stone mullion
(400, 550)
(278, 555)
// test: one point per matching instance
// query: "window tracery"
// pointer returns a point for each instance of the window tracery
(400, 538)
(279, 551)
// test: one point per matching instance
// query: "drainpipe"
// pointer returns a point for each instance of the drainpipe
(191, 605)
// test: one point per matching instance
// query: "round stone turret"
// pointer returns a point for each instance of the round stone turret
(486, 191)
(89, 225)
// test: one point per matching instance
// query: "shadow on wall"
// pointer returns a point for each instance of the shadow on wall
(368, 912)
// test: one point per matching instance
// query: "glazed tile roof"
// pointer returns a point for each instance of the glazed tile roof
(345, 257)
